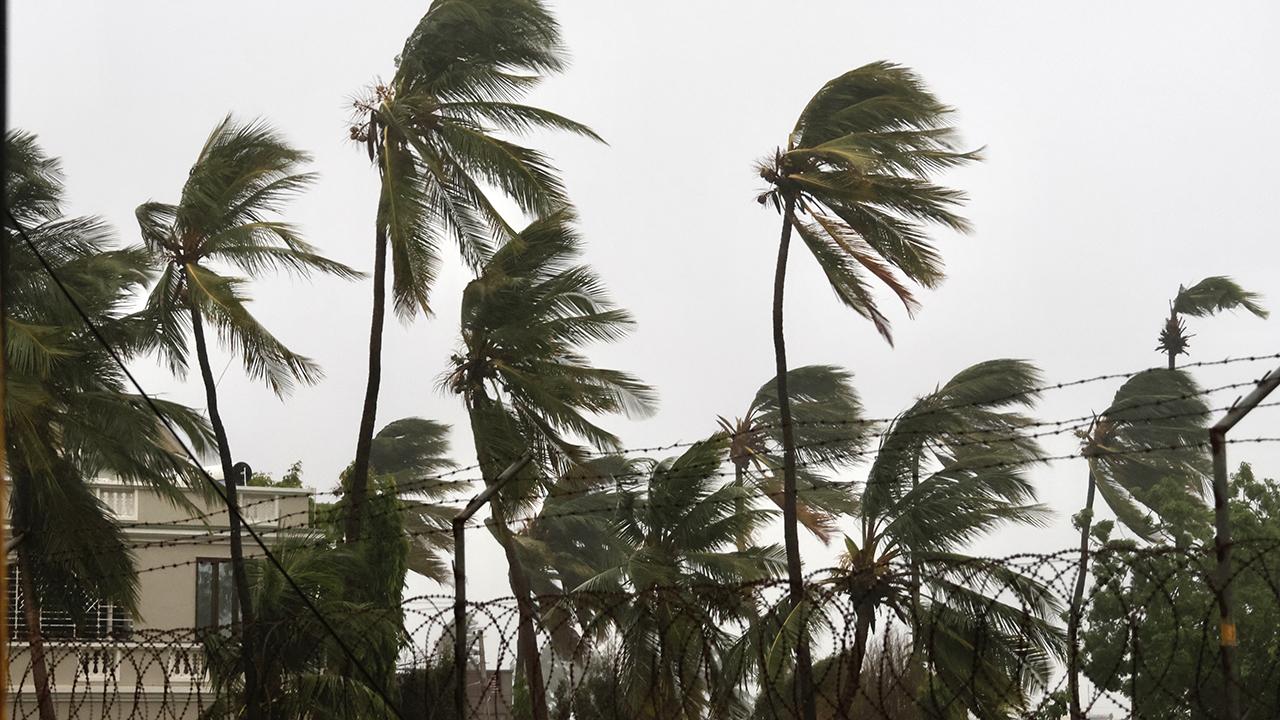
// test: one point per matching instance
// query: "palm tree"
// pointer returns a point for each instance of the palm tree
(405, 459)
(950, 469)
(854, 180)
(433, 134)
(67, 412)
(527, 385)
(243, 175)
(829, 434)
(1143, 455)
(679, 585)
(1210, 296)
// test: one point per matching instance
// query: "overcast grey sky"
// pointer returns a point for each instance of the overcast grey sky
(1127, 148)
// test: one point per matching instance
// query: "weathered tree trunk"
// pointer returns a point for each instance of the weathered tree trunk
(848, 691)
(1077, 609)
(790, 526)
(358, 482)
(248, 642)
(35, 639)
(527, 655)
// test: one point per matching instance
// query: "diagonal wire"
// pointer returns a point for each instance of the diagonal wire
(275, 562)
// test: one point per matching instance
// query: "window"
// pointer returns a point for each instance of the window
(261, 511)
(215, 593)
(64, 618)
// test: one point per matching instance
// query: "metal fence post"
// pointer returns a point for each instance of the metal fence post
(460, 578)
(1227, 639)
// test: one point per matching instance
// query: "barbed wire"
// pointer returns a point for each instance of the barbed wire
(1155, 626)
(545, 516)
(432, 482)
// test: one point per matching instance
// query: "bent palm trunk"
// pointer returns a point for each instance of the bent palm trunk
(1077, 600)
(526, 632)
(35, 640)
(358, 483)
(791, 534)
(527, 655)
(247, 636)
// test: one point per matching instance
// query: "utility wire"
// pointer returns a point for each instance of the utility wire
(275, 562)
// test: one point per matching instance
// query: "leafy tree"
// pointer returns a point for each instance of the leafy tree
(242, 177)
(67, 413)
(829, 434)
(1210, 296)
(682, 575)
(292, 478)
(1143, 458)
(434, 134)
(1151, 636)
(528, 387)
(854, 180)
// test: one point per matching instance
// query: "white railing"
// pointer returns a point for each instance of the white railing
(97, 665)
(121, 501)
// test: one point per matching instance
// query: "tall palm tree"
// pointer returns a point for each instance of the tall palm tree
(1133, 468)
(829, 434)
(67, 413)
(1210, 296)
(527, 385)
(854, 180)
(677, 588)
(243, 176)
(950, 469)
(434, 134)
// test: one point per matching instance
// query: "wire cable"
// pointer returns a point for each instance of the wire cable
(275, 562)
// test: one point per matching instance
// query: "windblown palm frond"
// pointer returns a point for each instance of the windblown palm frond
(684, 575)
(1215, 294)
(435, 134)
(524, 320)
(855, 181)
(243, 176)
(1210, 296)
(1146, 449)
(829, 434)
(949, 470)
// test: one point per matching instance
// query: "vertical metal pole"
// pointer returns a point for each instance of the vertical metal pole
(459, 617)
(1223, 591)
(4, 488)
(460, 579)
(1222, 541)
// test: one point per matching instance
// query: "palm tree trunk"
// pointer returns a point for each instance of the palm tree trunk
(35, 640)
(247, 632)
(526, 635)
(790, 529)
(1077, 600)
(848, 692)
(740, 504)
(1173, 323)
(358, 483)
(527, 655)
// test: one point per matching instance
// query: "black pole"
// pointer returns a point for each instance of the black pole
(460, 579)
(1227, 639)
